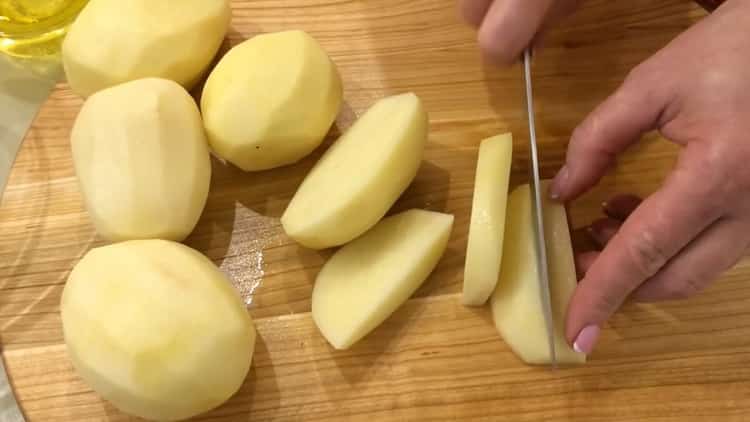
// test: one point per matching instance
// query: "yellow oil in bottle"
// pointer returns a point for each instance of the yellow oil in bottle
(35, 28)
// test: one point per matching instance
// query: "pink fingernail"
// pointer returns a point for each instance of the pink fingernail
(586, 339)
(558, 183)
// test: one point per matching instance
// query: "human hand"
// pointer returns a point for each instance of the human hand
(508, 27)
(696, 92)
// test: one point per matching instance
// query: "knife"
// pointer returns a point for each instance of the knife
(537, 215)
(24, 85)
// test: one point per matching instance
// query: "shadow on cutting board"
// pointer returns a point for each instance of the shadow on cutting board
(365, 358)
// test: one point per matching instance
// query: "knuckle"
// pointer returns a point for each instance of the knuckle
(587, 139)
(692, 285)
(495, 51)
(687, 287)
(709, 166)
(646, 254)
(643, 83)
(586, 130)
(496, 48)
(713, 176)
(634, 78)
(607, 304)
(728, 163)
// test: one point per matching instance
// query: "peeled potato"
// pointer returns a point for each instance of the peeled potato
(142, 160)
(487, 227)
(368, 279)
(114, 41)
(516, 303)
(155, 328)
(360, 177)
(271, 100)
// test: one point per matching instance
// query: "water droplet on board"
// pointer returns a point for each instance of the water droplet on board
(244, 262)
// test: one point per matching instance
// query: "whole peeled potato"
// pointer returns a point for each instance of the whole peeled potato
(156, 329)
(142, 160)
(271, 100)
(115, 41)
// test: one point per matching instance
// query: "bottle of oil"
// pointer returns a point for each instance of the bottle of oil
(35, 28)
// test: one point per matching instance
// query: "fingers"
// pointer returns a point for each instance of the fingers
(716, 250)
(584, 262)
(473, 11)
(617, 209)
(510, 26)
(603, 230)
(621, 206)
(618, 122)
(656, 231)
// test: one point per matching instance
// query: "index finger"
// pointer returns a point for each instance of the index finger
(473, 11)
(510, 26)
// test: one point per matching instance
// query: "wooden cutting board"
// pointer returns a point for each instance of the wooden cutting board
(434, 359)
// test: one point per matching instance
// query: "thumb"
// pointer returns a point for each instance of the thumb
(634, 109)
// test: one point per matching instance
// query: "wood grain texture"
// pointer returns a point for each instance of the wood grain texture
(434, 359)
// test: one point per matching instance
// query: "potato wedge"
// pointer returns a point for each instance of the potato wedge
(516, 303)
(368, 279)
(487, 228)
(361, 176)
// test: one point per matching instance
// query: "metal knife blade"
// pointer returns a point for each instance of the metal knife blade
(24, 85)
(9, 410)
(537, 215)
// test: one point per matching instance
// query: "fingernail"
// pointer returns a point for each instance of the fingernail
(558, 183)
(586, 339)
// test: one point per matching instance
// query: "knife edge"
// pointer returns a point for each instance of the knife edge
(538, 217)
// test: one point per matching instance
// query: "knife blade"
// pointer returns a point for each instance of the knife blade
(24, 85)
(9, 410)
(537, 215)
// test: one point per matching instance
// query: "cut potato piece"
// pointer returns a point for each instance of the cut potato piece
(368, 279)
(516, 303)
(142, 160)
(360, 177)
(271, 100)
(114, 41)
(155, 328)
(487, 228)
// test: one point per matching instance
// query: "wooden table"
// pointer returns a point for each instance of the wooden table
(434, 359)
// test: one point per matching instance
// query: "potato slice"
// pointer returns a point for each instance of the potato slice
(487, 227)
(361, 176)
(368, 279)
(516, 303)
(271, 100)
(155, 328)
(114, 41)
(142, 160)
